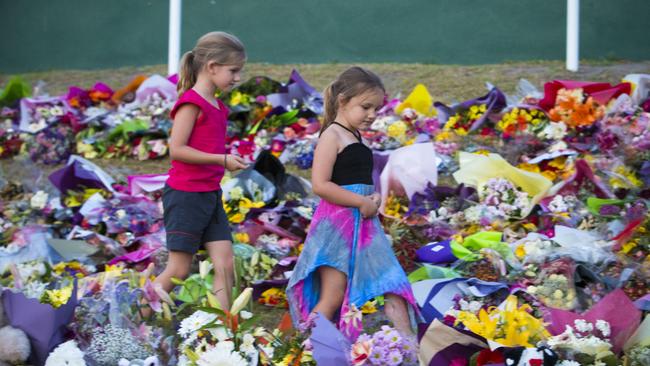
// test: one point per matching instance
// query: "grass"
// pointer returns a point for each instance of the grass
(446, 83)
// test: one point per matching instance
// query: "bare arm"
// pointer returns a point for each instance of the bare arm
(179, 150)
(321, 174)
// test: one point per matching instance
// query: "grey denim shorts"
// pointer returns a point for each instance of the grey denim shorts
(193, 219)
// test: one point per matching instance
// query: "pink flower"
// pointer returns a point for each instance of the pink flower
(360, 352)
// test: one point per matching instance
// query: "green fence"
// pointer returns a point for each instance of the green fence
(87, 34)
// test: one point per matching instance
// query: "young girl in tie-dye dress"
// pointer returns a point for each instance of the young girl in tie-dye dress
(347, 259)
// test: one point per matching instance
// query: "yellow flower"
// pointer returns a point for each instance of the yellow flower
(369, 307)
(443, 135)
(520, 251)
(393, 207)
(558, 163)
(237, 218)
(397, 129)
(625, 178)
(242, 238)
(451, 122)
(549, 174)
(482, 152)
(530, 226)
(529, 167)
(238, 98)
(58, 297)
(511, 326)
(627, 247)
(86, 150)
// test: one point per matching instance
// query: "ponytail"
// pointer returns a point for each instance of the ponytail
(187, 74)
(331, 106)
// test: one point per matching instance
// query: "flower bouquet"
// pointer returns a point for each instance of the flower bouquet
(509, 325)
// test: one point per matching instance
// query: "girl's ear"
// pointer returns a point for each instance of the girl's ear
(341, 100)
(211, 67)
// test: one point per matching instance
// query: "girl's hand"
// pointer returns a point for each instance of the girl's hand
(233, 163)
(376, 197)
(368, 207)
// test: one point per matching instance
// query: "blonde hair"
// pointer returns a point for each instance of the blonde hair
(349, 84)
(220, 47)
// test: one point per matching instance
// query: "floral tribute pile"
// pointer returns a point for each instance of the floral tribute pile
(524, 228)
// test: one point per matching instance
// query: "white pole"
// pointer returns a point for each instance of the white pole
(572, 35)
(174, 47)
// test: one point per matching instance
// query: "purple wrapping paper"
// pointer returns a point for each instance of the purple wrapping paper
(297, 89)
(331, 347)
(435, 253)
(454, 352)
(379, 160)
(494, 99)
(80, 173)
(643, 303)
(44, 325)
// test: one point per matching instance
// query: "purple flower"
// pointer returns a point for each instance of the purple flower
(609, 210)
(607, 140)
(394, 358)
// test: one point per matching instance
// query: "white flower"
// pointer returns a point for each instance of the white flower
(568, 363)
(464, 305)
(27, 270)
(603, 327)
(557, 205)
(34, 289)
(246, 314)
(220, 333)
(583, 326)
(66, 354)
(268, 351)
(39, 200)
(554, 131)
(475, 306)
(221, 356)
(194, 322)
(248, 344)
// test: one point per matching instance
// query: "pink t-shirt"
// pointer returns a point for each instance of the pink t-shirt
(208, 135)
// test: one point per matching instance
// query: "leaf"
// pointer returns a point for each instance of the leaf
(210, 310)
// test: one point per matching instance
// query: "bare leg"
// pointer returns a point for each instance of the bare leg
(397, 313)
(222, 258)
(332, 289)
(178, 266)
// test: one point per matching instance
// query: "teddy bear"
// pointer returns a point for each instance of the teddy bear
(14, 343)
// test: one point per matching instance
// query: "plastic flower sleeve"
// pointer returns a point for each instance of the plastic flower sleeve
(442, 344)
(402, 176)
(615, 308)
(45, 325)
(476, 170)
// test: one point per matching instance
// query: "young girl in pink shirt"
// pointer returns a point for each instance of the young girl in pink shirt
(193, 210)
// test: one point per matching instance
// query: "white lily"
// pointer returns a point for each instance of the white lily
(241, 301)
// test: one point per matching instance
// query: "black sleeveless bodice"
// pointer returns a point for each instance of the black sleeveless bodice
(353, 164)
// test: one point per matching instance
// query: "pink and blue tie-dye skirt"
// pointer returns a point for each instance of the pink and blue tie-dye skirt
(340, 238)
